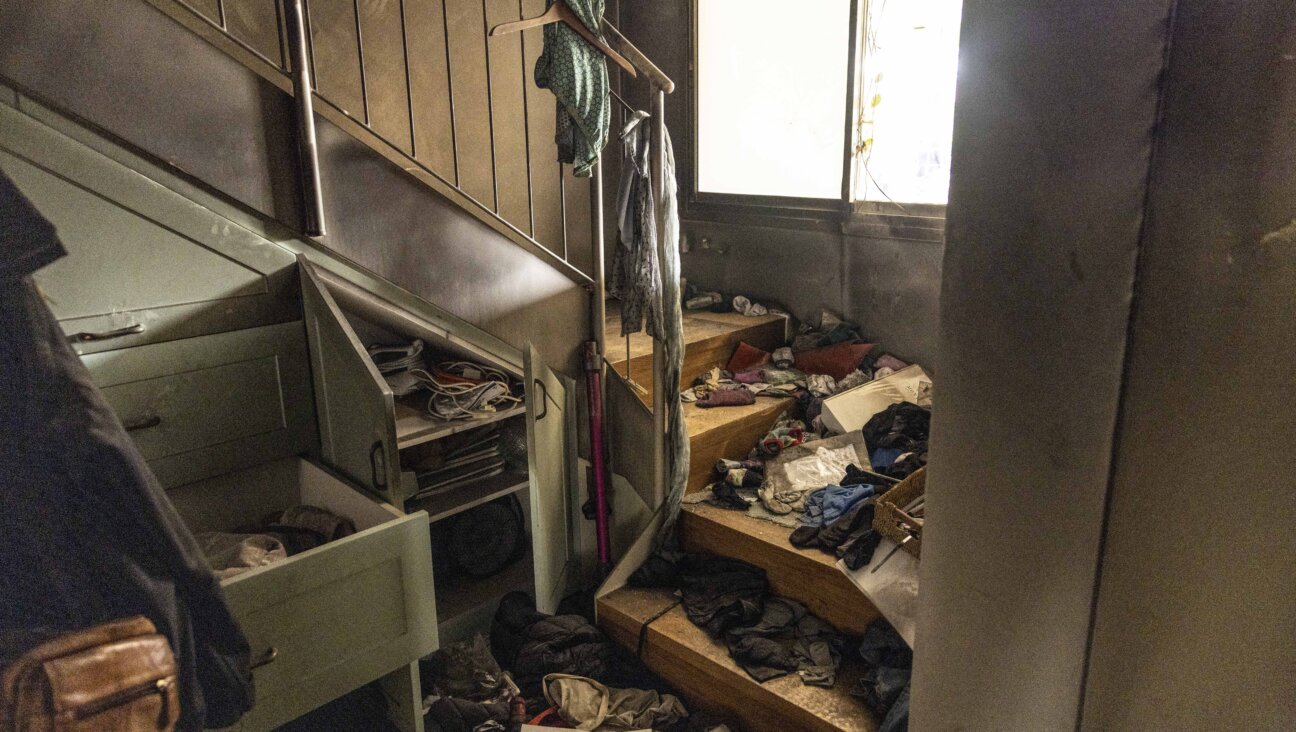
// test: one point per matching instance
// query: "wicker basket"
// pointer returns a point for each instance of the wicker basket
(890, 519)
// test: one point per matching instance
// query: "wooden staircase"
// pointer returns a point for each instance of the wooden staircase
(683, 654)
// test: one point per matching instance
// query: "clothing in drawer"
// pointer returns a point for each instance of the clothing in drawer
(144, 263)
(203, 406)
(332, 618)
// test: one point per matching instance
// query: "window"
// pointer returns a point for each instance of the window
(906, 115)
(772, 92)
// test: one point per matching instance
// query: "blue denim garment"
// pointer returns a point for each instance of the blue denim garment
(826, 505)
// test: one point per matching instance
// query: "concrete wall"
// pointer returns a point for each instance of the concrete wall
(1109, 541)
(1195, 625)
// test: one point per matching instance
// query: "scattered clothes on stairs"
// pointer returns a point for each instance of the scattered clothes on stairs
(897, 439)
(587, 704)
(807, 466)
(826, 505)
(787, 638)
(278, 536)
(885, 685)
(767, 636)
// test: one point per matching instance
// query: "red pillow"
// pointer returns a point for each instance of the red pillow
(746, 356)
(837, 360)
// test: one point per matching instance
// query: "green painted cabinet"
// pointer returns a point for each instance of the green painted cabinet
(365, 431)
(145, 264)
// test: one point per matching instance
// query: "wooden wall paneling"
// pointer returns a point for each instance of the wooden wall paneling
(430, 92)
(209, 9)
(579, 209)
(546, 178)
(382, 47)
(256, 23)
(470, 84)
(509, 117)
(335, 54)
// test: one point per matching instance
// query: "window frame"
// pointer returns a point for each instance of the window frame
(843, 213)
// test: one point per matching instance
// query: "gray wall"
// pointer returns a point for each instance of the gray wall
(127, 69)
(889, 286)
(1109, 540)
(1196, 614)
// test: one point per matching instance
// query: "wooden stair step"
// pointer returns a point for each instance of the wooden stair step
(709, 341)
(808, 576)
(726, 432)
(709, 680)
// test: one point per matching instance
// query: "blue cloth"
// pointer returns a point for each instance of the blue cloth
(826, 505)
(885, 457)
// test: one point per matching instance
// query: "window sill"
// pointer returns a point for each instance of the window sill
(865, 219)
(909, 222)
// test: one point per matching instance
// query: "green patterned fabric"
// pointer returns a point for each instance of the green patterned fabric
(576, 73)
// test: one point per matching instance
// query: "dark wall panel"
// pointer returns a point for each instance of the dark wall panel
(430, 87)
(578, 208)
(336, 58)
(386, 84)
(386, 221)
(509, 118)
(256, 23)
(1195, 626)
(546, 178)
(113, 65)
(1053, 136)
(209, 9)
(470, 83)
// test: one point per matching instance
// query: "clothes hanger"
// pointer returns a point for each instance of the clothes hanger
(559, 12)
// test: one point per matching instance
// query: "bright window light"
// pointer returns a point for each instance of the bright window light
(907, 104)
(771, 92)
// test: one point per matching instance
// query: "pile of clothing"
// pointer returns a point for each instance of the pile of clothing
(564, 673)
(838, 519)
(897, 439)
(884, 687)
(278, 536)
(768, 636)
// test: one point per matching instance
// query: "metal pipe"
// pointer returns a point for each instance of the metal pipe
(599, 311)
(594, 364)
(307, 146)
(661, 466)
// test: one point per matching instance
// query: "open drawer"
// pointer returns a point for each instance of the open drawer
(335, 617)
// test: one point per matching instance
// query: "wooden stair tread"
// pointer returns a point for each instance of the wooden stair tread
(700, 667)
(698, 327)
(726, 432)
(808, 576)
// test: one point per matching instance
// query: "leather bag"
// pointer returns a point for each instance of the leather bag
(116, 676)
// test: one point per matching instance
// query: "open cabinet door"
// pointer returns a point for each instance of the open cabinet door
(353, 402)
(549, 466)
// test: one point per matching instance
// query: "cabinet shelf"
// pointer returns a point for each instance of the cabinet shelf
(414, 427)
(451, 501)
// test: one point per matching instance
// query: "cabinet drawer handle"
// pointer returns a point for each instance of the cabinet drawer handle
(87, 336)
(266, 658)
(143, 423)
(544, 400)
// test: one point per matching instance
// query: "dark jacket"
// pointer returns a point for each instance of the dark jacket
(87, 534)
